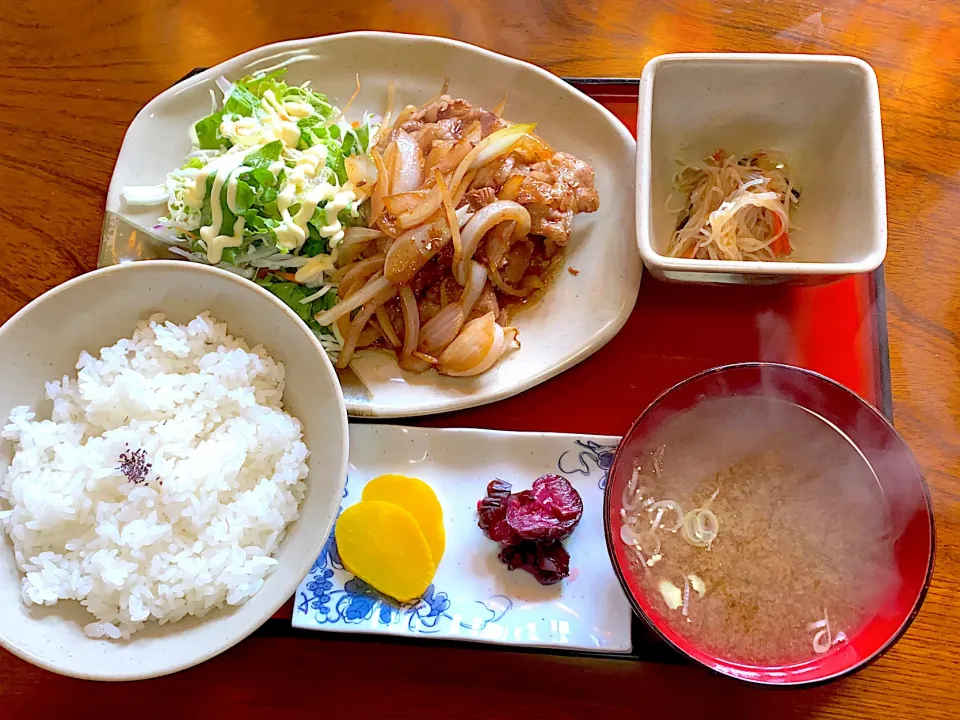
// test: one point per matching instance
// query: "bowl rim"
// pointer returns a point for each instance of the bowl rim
(870, 260)
(638, 610)
(211, 651)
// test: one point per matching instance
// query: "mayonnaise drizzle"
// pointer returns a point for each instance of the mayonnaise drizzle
(229, 161)
(232, 185)
(228, 166)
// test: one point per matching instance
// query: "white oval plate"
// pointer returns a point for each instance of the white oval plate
(474, 596)
(578, 315)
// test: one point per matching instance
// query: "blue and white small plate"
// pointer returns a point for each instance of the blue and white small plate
(474, 596)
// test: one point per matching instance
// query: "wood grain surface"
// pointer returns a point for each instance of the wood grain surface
(72, 76)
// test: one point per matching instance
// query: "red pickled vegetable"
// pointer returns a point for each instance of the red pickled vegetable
(530, 525)
(548, 562)
(492, 511)
(550, 511)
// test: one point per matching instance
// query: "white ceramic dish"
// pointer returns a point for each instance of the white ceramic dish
(43, 341)
(474, 596)
(823, 111)
(570, 323)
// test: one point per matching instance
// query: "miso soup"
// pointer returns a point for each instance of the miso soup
(758, 530)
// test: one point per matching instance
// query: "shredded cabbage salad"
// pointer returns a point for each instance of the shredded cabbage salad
(265, 192)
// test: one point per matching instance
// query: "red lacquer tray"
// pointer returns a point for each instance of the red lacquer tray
(675, 331)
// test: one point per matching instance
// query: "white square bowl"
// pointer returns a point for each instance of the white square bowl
(822, 111)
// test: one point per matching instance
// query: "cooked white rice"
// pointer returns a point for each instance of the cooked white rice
(199, 530)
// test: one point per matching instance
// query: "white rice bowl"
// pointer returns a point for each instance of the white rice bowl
(195, 531)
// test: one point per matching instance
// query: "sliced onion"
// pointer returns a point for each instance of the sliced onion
(499, 243)
(492, 147)
(441, 330)
(464, 186)
(670, 505)
(359, 273)
(354, 243)
(226, 87)
(414, 364)
(451, 161)
(360, 321)
(485, 219)
(402, 117)
(408, 173)
(438, 152)
(451, 215)
(500, 284)
(700, 527)
(411, 321)
(511, 188)
(387, 114)
(358, 235)
(365, 294)
(386, 327)
(145, 195)
(338, 274)
(362, 173)
(464, 214)
(381, 189)
(404, 202)
(412, 250)
(476, 348)
(370, 334)
(474, 287)
(421, 212)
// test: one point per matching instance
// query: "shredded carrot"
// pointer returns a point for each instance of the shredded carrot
(286, 276)
(781, 244)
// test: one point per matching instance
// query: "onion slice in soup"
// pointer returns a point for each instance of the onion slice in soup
(669, 505)
(700, 527)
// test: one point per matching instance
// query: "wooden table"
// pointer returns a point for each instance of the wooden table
(72, 75)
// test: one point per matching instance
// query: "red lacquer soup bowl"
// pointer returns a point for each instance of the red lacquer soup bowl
(904, 491)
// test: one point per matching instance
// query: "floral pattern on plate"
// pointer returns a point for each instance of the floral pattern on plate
(474, 597)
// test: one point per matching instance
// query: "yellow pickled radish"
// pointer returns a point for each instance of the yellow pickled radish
(418, 499)
(382, 544)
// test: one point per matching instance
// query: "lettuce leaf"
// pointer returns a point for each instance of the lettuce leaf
(264, 157)
(318, 100)
(257, 86)
(245, 197)
(208, 132)
(292, 293)
(241, 102)
(206, 212)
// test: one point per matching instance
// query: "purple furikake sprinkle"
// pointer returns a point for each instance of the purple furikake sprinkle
(134, 465)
